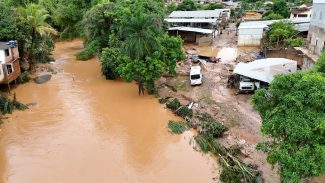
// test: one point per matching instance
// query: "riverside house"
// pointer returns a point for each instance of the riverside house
(9, 62)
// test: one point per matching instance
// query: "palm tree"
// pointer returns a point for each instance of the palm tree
(139, 35)
(35, 16)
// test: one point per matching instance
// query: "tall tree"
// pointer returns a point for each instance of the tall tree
(280, 7)
(188, 5)
(36, 16)
(12, 27)
(139, 34)
(293, 114)
(68, 16)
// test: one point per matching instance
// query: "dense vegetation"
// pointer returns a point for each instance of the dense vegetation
(128, 35)
(293, 114)
(283, 34)
(190, 5)
(275, 9)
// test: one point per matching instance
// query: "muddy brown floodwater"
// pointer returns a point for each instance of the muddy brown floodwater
(86, 129)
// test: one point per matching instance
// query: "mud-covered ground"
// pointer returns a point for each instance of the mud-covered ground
(213, 96)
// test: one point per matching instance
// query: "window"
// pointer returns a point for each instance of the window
(7, 53)
(10, 68)
(196, 76)
(302, 15)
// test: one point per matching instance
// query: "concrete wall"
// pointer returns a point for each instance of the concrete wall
(13, 54)
(250, 37)
(204, 40)
(2, 56)
(316, 39)
(316, 34)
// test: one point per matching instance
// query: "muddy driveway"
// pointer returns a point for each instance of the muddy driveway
(86, 129)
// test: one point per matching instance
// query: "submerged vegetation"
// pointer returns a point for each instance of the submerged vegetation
(7, 105)
(177, 127)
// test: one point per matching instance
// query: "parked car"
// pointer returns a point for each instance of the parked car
(214, 59)
(195, 75)
(195, 59)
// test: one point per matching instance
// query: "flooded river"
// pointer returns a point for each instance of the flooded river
(85, 129)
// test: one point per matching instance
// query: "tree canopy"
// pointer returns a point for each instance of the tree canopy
(283, 34)
(293, 114)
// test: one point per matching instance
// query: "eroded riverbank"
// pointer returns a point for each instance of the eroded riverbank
(87, 129)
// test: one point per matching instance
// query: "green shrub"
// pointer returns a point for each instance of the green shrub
(295, 42)
(211, 127)
(184, 112)
(89, 52)
(216, 148)
(162, 100)
(24, 78)
(7, 106)
(320, 64)
(174, 105)
(203, 143)
(177, 127)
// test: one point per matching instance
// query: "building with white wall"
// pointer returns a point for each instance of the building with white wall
(251, 33)
(316, 34)
(196, 26)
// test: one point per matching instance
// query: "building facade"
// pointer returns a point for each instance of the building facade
(316, 35)
(9, 62)
(199, 27)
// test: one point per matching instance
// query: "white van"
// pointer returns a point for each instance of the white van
(195, 75)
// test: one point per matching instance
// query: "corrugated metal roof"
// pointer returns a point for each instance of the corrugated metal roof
(264, 24)
(196, 14)
(266, 69)
(191, 29)
(192, 20)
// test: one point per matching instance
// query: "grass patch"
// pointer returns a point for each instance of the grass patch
(184, 112)
(177, 127)
(174, 104)
(179, 110)
(203, 143)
